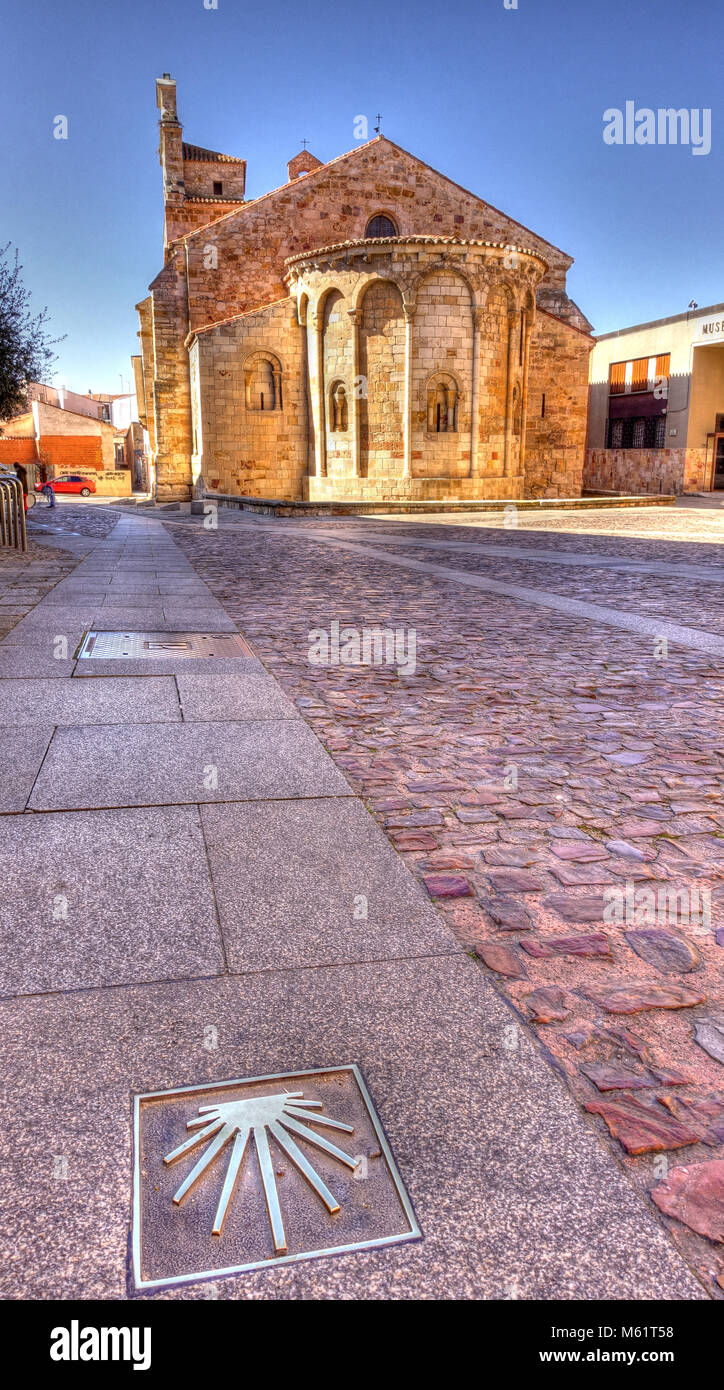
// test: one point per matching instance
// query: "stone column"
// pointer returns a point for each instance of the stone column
(409, 310)
(524, 388)
(509, 388)
(353, 407)
(478, 319)
(316, 396)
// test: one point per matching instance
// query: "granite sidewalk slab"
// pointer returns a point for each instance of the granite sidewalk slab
(313, 883)
(217, 696)
(169, 764)
(23, 662)
(514, 1193)
(150, 700)
(21, 753)
(105, 898)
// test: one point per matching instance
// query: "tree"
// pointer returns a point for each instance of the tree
(26, 351)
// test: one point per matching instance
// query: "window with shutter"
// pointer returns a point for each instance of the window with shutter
(640, 374)
(617, 378)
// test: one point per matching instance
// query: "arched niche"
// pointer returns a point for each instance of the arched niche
(263, 381)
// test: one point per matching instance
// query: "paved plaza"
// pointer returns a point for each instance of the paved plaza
(487, 870)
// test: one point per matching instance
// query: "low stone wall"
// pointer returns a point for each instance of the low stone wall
(270, 506)
(644, 471)
(380, 490)
(647, 471)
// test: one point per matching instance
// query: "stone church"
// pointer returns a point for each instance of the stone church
(367, 331)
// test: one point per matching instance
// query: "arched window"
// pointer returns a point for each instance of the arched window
(442, 405)
(381, 226)
(263, 382)
(338, 413)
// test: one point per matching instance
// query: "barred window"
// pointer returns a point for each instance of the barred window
(641, 432)
(380, 226)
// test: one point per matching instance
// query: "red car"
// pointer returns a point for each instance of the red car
(74, 482)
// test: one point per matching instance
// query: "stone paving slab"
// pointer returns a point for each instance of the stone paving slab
(131, 599)
(21, 662)
(69, 598)
(21, 754)
(313, 883)
(43, 638)
(56, 617)
(164, 666)
(153, 700)
(147, 616)
(514, 1193)
(105, 898)
(169, 764)
(219, 697)
(150, 618)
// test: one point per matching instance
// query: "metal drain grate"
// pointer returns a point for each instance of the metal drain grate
(131, 646)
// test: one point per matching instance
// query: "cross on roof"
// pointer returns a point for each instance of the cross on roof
(378, 127)
(304, 144)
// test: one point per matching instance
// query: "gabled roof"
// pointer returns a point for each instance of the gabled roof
(198, 154)
(315, 173)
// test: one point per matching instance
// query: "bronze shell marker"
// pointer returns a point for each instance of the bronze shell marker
(254, 1116)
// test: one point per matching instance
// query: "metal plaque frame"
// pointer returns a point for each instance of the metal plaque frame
(161, 646)
(412, 1233)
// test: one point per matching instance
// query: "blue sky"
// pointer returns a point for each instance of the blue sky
(507, 102)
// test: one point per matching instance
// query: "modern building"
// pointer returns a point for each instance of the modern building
(367, 331)
(656, 416)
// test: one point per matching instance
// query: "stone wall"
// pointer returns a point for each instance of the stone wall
(442, 347)
(556, 429)
(333, 204)
(383, 326)
(172, 441)
(410, 489)
(243, 450)
(643, 472)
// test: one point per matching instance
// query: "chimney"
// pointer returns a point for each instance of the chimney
(166, 98)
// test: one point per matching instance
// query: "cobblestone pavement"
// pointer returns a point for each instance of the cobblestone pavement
(27, 577)
(82, 520)
(553, 781)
